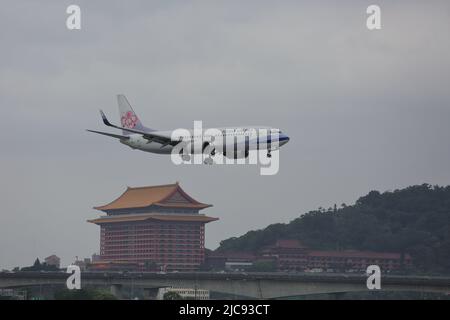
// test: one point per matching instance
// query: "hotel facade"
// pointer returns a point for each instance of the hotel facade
(155, 226)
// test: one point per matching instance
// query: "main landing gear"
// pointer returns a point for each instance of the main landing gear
(209, 150)
(208, 161)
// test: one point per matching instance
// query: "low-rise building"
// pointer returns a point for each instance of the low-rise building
(53, 260)
(185, 293)
(83, 264)
(290, 255)
(233, 261)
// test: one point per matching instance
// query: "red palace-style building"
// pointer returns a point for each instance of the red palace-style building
(157, 225)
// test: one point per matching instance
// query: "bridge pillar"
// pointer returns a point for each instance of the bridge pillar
(116, 290)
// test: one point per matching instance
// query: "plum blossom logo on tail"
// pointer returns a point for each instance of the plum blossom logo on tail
(128, 120)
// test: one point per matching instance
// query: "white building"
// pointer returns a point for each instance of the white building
(185, 293)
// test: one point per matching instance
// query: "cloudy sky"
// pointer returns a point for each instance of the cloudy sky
(364, 109)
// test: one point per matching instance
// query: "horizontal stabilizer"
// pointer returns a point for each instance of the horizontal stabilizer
(150, 136)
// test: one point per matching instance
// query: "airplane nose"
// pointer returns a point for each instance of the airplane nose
(284, 139)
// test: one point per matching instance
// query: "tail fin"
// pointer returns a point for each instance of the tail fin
(128, 118)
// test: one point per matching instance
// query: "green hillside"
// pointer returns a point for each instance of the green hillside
(415, 220)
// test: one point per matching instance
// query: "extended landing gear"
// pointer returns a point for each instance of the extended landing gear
(269, 154)
(186, 157)
(208, 161)
(210, 151)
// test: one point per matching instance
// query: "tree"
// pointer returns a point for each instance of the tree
(263, 266)
(414, 220)
(84, 294)
(37, 263)
(38, 266)
(172, 295)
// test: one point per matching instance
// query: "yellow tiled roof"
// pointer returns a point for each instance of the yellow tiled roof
(142, 197)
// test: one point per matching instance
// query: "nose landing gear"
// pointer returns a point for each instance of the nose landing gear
(184, 155)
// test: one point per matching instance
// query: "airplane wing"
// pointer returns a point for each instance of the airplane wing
(150, 136)
(118, 136)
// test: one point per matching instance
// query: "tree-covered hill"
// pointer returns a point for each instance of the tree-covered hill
(415, 220)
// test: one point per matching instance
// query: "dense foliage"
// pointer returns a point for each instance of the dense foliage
(84, 294)
(172, 295)
(415, 220)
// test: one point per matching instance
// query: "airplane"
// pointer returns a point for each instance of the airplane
(222, 140)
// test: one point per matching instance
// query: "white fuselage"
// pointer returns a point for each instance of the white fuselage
(250, 138)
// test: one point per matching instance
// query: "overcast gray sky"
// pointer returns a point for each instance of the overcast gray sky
(364, 109)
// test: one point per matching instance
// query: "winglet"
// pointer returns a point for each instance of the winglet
(105, 120)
